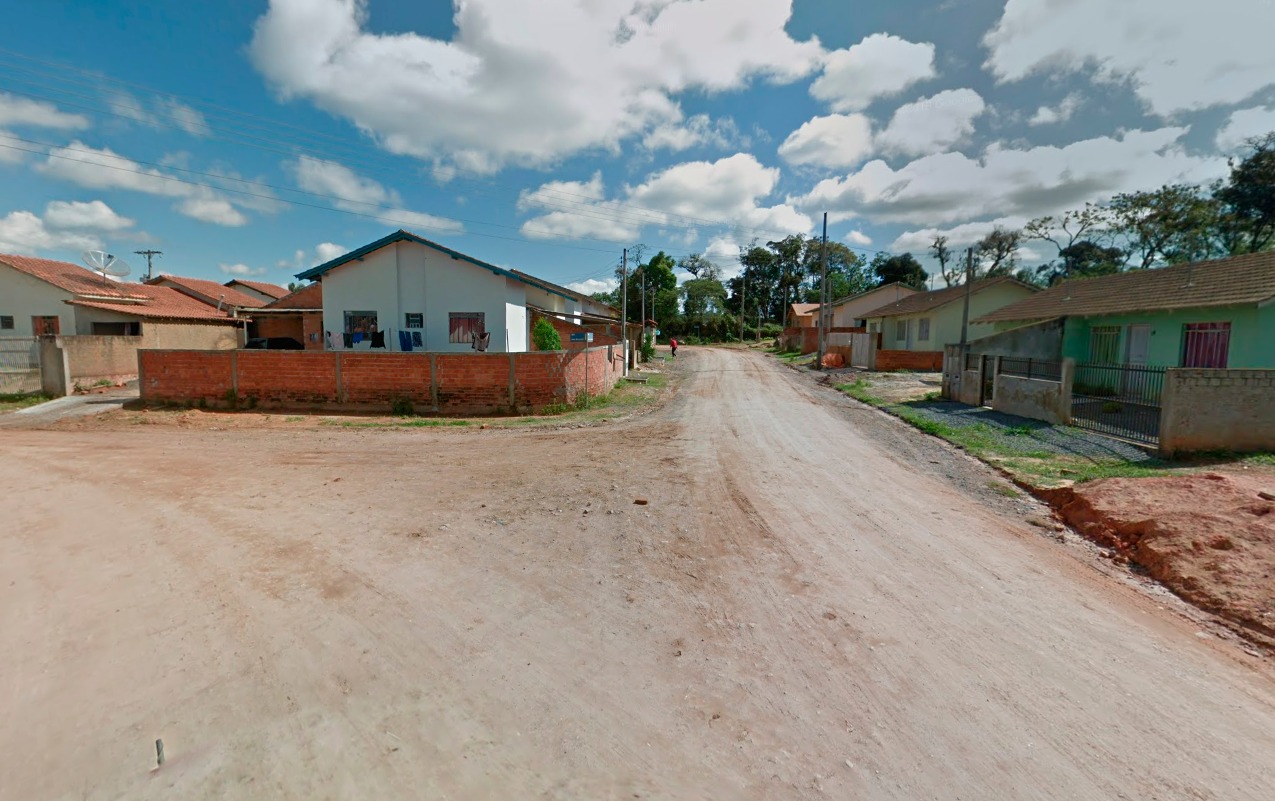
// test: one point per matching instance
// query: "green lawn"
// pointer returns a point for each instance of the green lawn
(11, 403)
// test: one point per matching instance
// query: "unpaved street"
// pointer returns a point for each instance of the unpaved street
(798, 613)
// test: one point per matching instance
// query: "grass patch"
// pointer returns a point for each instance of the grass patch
(13, 402)
(294, 419)
(859, 390)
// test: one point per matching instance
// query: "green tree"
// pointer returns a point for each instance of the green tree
(904, 269)
(997, 253)
(699, 266)
(1164, 225)
(1083, 259)
(545, 335)
(943, 255)
(703, 298)
(1247, 199)
(847, 272)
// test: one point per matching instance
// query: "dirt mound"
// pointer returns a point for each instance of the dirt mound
(1210, 538)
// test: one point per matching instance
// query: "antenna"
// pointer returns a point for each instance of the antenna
(149, 254)
(105, 265)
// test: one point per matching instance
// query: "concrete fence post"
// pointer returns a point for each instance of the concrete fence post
(234, 374)
(513, 378)
(1067, 378)
(1168, 394)
(55, 368)
(341, 394)
(433, 381)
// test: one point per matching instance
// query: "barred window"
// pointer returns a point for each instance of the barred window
(901, 330)
(414, 320)
(1104, 344)
(6, 321)
(461, 326)
(923, 329)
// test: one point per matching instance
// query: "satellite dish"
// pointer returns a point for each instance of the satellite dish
(105, 265)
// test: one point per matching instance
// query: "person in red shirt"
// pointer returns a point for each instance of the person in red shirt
(673, 344)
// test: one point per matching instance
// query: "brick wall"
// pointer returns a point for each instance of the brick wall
(1213, 410)
(565, 329)
(450, 383)
(929, 360)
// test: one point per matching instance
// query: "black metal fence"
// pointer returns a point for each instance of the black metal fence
(1031, 368)
(1120, 400)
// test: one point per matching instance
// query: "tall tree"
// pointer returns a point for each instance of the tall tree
(1082, 259)
(699, 266)
(904, 269)
(703, 298)
(789, 258)
(1248, 198)
(847, 271)
(997, 253)
(943, 255)
(1163, 226)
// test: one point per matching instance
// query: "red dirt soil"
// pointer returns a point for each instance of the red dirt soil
(1210, 538)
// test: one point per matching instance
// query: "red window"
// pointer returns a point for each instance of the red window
(462, 326)
(1206, 344)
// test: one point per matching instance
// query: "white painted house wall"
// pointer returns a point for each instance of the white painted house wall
(23, 297)
(845, 314)
(408, 277)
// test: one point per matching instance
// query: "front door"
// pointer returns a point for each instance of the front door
(41, 326)
(1139, 345)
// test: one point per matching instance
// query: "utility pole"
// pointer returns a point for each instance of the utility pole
(743, 300)
(642, 291)
(624, 307)
(823, 295)
(149, 254)
(965, 313)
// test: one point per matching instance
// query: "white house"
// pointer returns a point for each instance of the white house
(438, 296)
(851, 312)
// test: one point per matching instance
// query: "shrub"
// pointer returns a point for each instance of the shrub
(402, 407)
(648, 348)
(545, 335)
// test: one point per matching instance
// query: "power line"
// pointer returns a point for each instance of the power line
(149, 254)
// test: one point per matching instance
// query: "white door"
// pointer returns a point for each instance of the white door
(1139, 345)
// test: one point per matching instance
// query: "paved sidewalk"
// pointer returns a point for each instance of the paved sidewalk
(69, 407)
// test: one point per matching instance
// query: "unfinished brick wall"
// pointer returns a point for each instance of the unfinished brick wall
(928, 360)
(1217, 410)
(449, 383)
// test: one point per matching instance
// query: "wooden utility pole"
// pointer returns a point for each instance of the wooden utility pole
(149, 254)
(743, 299)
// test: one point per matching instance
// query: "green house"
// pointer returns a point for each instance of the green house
(1218, 314)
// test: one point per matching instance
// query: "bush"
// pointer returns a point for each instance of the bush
(648, 348)
(545, 335)
(402, 407)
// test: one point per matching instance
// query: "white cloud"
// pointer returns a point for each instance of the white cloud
(241, 270)
(838, 140)
(958, 236)
(1245, 124)
(327, 251)
(725, 193)
(932, 124)
(38, 114)
(1046, 115)
(591, 285)
(722, 250)
(951, 187)
(1176, 56)
(212, 209)
(523, 83)
(65, 226)
(8, 155)
(183, 116)
(879, 66)
(858, 238)
(103, 168)
(350, 191)
(698, 130)
(93, 215)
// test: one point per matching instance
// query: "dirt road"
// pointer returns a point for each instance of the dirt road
(798, 613)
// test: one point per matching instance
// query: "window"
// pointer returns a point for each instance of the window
(923, 329)
(41, 326)
(461, 326)
(117, 329)
(6, 321)
(359, 326)
(901, 330)
(1206, 344)
(1104, 344)
(414, 320)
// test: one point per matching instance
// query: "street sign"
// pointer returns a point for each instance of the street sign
(581, 336)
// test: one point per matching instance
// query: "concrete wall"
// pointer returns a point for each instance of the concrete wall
(23, 297)
(1041, 341)
(468, 383)
(166, 333)
(1252, 334)
(1209, 410)
(863, 350)
(1035, 398)
(98, 356)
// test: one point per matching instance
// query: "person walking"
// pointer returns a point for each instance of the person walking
(673, 345)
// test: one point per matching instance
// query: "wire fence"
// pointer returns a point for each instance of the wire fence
(19, 364)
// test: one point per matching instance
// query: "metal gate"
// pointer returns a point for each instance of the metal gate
(988, 374)
(19, 365)
(1119, 400)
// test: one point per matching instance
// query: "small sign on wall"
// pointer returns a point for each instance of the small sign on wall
(582, 336)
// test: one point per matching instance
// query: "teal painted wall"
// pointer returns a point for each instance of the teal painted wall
(1252, 334)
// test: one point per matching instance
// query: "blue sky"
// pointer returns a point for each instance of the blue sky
(259, 138)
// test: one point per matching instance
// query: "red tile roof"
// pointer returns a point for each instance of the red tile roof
(210, 291)
(925, 301)
(161, 302)
(70, 277)
(802, 309)
(273, 290)
(1237, 281)
(307, 297)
